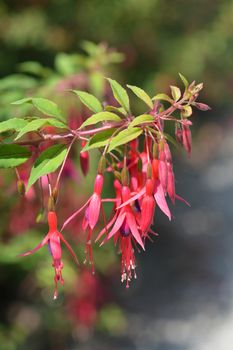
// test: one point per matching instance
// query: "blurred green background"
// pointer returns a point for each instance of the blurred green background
(184, 278)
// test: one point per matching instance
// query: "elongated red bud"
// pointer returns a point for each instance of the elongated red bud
(171, 183)
(167, 153)
(147, 213)
(52, 221)
(84, 160)
(150, 186)
(187, 138)
(125, 193)
(99, 181)
(163, 169)
(178, 134)
(155, 168)
(202, 106)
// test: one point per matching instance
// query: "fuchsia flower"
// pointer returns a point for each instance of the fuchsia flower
(53, 239)
(125, 230)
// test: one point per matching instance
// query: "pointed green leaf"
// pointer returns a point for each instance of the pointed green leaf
(141, 119)
(22, 101)
(89, 100)
(47, 107)
(124, 137)
(99, 140)
(142, 95)
(120, 94)
(100, 117)
(13, 155)
(43, 105)
(176, 93)
(163, 97)
(47, 163)
(36, 124)
(184, 80)
(12, 124)
(116, 109)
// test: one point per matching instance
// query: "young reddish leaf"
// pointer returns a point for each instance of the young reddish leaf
(142, 95)
(120, 94)
(12, 124)
(163, 97)
(89, 100)
(176, 93)
(142, 119)
(124, 137)
(99, 140)
(48, 162)
(13, 155)
(100, 117)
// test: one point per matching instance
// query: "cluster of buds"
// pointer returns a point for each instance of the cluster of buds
(135, 150)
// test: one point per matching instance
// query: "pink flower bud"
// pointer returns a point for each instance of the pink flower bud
(178, 134)
(202, 106)
(170, 183)
(187, 138)
(147, 213)
(99, 181)
(84, 160)
(163, 169)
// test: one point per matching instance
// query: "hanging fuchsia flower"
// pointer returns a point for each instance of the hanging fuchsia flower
(53, 239)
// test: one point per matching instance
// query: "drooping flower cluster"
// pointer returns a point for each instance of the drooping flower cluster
(136, 152)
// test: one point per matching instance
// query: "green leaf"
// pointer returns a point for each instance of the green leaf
(99, 140)
(47, 163)
(12, 124)
(13, 155)
(89, 100)
(184, 80)
(186, 111)
(142, 95)
(120, 94)
(116, 110)
(141, 119)
(47, 107)
(176, 93)
(100, 117)
(163, 97)
(39, 123)
(22, 101)
(124, 137)
(43, 105)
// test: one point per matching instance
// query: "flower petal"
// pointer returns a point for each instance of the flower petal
(161, 200)
(133, 228)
